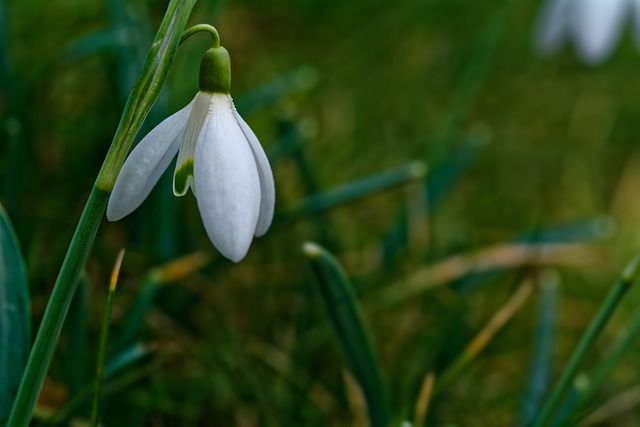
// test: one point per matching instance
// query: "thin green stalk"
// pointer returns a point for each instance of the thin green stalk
(140, 102)
(592, 333)
(104, 337)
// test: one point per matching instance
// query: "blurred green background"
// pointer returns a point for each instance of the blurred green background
(518, 148)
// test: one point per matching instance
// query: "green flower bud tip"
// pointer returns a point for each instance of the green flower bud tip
(215, 71)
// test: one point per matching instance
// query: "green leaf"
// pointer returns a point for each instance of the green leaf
(15, 328)
(351, 331)
(540, 368)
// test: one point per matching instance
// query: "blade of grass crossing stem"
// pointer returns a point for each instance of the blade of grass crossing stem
(351, 331)
(608, 307)
(15, 326)
(484, 337)
(104, 337)
(355, 190)
(539, 372)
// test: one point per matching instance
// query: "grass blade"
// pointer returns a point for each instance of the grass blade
(594, 330)
(540, 369)
(104, 337)
(484, 337)
(352, 333)
(424, 399)
(582, 397)
(15, 327)
(354, 190)
(490, 259)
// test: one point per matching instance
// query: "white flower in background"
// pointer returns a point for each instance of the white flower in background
(219, 158)
(594, 26)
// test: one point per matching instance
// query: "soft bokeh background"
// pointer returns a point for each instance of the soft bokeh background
(517, 147)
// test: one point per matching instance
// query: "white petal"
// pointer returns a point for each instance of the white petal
(597, 26)
(552, 25)
(227, 180)
(267, 185)
(183, 175)
(145, 165)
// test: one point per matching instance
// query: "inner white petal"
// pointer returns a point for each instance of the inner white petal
(183, 175)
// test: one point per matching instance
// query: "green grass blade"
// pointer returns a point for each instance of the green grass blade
(352, 333)
(583, 396)
(104, 338)
(540, 369)
(355, 190)
(486, 335)
(15, 327)
(594, 330)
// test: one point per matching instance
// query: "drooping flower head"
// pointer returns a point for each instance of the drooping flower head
(219, 158)
(594, 26)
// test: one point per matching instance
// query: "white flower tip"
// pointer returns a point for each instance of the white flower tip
(311, 249)
(234, 250)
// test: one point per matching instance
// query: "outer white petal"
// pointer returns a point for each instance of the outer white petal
(267, 185)
(145, 165)
(597, 26)
(227, 181)
(553, 25)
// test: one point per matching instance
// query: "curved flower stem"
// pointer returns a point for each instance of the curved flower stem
(202, 27)
(139, 104)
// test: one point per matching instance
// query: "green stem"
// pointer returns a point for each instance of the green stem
(57, 308)
(594, 330)
(202, 27)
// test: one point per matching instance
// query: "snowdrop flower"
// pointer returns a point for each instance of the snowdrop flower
(219, 158)
(595, 26)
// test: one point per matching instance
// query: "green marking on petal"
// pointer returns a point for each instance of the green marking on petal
(181, 177)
